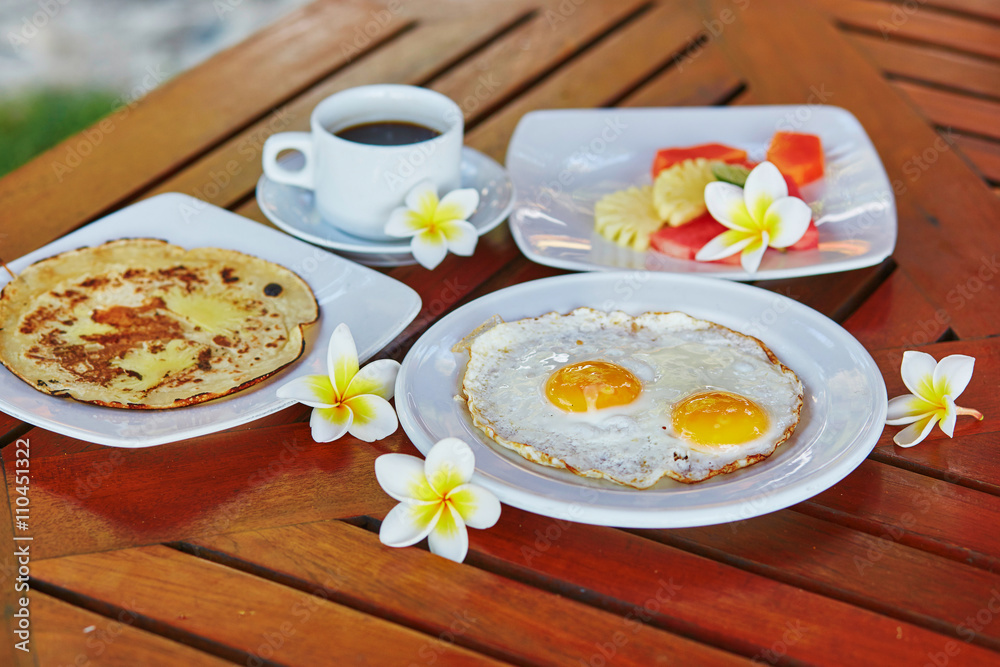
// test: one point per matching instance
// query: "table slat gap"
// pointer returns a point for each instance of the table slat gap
(877, 529)
(927, 26)
(557, 65)
(113, 611)
(325, 593)
(888, 456)
(669, 63)
(961, 9)
(502, 31)
(820, 587)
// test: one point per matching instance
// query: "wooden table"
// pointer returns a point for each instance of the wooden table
(259, 546)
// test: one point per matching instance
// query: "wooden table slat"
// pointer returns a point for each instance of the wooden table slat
(919, 23)
(710, 601)
(180, 596)
(875, 572)
(926, 63)
(348, 562)
(69, 635)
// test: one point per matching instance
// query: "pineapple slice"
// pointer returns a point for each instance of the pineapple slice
(679, 192)
(627, 217)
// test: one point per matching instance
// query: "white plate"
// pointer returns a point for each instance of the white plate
(842, 418)
(562, 162)
(375, 306)
(292, 209)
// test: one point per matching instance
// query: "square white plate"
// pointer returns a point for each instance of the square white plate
(375, 307)
(563, 161)
(842, 416)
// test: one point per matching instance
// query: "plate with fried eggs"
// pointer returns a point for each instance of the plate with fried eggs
(637, 399)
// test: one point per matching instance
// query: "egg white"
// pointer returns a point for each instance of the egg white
(672, 354)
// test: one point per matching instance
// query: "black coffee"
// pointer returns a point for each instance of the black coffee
(388, 133)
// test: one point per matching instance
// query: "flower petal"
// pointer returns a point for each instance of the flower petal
(764, 186)
(429, 248)
(952, 374)
(404, 223)
(341, 359)
(724, 245)
(449, 464)
(752, 254)
(401, 476)
(316, 391)
(917, 370)
(407, 524)
(725, 202)
(449, 539)
(950, 416)
(458, 205)
(907, 409)
(328, 424)
(461, 237)
(378, 378)
(477, 506)
(916, 432)
(374, 418)
(786, 221)
(423, 199)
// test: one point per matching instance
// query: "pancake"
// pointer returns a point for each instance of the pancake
(143, 324)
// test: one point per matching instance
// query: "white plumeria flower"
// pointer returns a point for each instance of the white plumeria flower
(935, 387)
(436, 500)
(759, 215)
(436, 226)
(347, 400)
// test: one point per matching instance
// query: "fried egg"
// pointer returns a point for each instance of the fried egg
(630, 399)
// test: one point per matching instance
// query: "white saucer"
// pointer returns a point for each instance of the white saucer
(292, 210)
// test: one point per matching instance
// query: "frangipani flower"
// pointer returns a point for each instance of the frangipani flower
(348, 400)
(759, 215)
(436, 226)
(436, 500)
(935, 387)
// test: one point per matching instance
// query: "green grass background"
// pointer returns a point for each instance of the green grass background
(34, 121)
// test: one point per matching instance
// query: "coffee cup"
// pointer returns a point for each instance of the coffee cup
(368, 146)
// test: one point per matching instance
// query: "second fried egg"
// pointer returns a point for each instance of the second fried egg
(630, 399)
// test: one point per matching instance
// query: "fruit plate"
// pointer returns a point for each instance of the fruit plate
(842, 416)
(563, 161)
(375, 306)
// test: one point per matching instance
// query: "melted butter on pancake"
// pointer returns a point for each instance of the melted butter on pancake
(143, 324)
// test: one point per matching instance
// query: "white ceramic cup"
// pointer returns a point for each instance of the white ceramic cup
(358, 185)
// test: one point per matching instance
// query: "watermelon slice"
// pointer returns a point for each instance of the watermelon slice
(668, 157)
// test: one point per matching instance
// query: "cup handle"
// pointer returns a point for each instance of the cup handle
(296, 141)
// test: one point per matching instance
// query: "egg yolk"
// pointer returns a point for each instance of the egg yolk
(719, 418)
(591, 385)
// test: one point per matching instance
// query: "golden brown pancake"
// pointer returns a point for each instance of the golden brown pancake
(143, 324)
